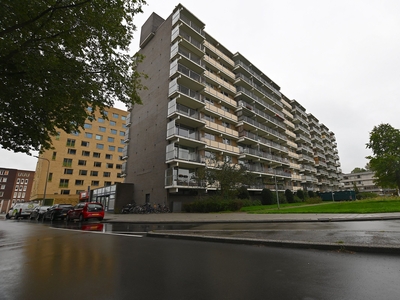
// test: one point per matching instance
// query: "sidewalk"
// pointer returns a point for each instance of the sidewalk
(337, 240)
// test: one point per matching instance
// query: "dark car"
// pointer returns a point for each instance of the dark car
(86, 210)
(38, 212)
(57, 211)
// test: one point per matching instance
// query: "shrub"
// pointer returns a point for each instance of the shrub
(314, 200)
(282, 197)
(300, 194)
(289, 196)
(214, 205)
(243, 193)
(311, 194)
(266, 197)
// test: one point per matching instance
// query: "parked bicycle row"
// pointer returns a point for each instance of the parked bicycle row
(146, 208)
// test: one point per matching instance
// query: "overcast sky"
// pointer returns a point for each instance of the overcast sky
(339, 59)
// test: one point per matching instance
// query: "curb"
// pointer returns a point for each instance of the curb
(281, 243)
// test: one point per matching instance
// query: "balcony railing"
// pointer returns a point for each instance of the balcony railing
(262, 127)
(265, 155)
(262, 114)
(262, 140)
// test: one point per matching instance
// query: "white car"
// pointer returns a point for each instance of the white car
(21, 210)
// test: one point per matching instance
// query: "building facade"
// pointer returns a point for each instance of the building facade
(15, 186)
(364, 182)
(83, 160)
(204, 101)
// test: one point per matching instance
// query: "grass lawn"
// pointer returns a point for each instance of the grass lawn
(378, 205)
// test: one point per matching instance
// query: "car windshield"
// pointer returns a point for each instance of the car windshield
(94, 207)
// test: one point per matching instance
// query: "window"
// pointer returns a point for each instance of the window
(53, 157)
(58, 135)
(87, 126)
(88, 135)
(209, 101)
(18, 181)
(115, 115)
(1, 194)
(83, 172)
(94, 173)
(100, 146)
(75, 133)
(226, 141)
(97, 164)
(90, 109)
(71, 151)
(84, 144)
(209, 118)
(79, 182)
(68, 171)
(4, 179)
(107, 183)
(224, 108)
(99, 137)
(81, 162)
(122, 133)
(2, 187)
(209, 136)
(64, 192)
(50, 177)
(106, 174)
(113, 123)
(102, 129)
(64, 183)
(67, 162)
(109, 156)
(122, 141)
(95, 183)
(70, 143)
(100, 120)
(109, 166)
(118, 166)
(225, 124)
(26, 181)
(111, 148)
(85, 153)
(110, 139)
(123, 118)
(120, 149)
(96, 154)
(113, 131)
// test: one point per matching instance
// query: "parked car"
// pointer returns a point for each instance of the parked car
(38, 212)
(21, 210)
(57, 211)
(86, 210)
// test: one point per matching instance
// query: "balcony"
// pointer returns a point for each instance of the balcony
(220, 97)
(219, 54)
(219, 67)
(262, 141)
(260, 126)
(264, 155)
(220, 146)
(262, 114)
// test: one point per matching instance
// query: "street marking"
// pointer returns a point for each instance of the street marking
(98, 232)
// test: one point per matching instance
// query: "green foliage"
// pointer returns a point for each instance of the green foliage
(366, 195)
(282, 198)
(358, 170)
(311, 194)
(267, 197)
(59, 57)
(313, 200)
(384, 141)
(243, 193)
(300, 194)
(289, 196)
(215, 204)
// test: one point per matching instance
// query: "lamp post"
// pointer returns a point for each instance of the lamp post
(47, 177)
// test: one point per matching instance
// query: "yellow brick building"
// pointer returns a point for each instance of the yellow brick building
(82, 161)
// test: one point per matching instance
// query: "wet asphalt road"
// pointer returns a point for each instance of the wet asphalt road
(69, 262)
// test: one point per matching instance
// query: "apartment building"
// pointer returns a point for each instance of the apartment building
(15, 186)
(204, 101)
(82, 160)
(364, 182)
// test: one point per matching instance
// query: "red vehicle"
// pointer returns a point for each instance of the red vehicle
(86, 210)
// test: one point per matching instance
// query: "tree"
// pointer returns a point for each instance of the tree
(358, 170)
(58, 57)
(267, 198)
(384, 141)
(289, 196)
(226, 176)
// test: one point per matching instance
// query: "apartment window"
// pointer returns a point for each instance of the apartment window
(100, 120)
(87, 126)
(68, 171)
(95, 183)
(111, 148)
(83, 172)
(2, 187)
(88, 135)
(226, 141)
(123, 118)
(100, 146)
(109, 156)
(1, 194)
(209, 101)
(113, 131)
(58, 135)
(67, 162)
(224, 108)
(120, 149)
(96, 154)
(97, 164)
(84, 144)
(102, 129)
(53, 157)
(113, 123)
(70, 143)
(105, 113)
(209, 118)
(64, 192)
(64, 182)
(79, 182)
(99, 137)
(85, 153)
(209, 136)
(118, 166)
(71, 151)
(116, 116)
(4, 179)
(106, 174)
(109, 166)
(94, 173)
(50, 177)
(122, 142)
(110, 139)
(107, 183)
(18, 180)
(225, 124)
(81, 162)
(77, 192)
(75, 133)
(122, 133)
(15, 195)
(89, 109)
(26, 181)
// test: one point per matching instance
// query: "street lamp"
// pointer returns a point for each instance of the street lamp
(47, 177)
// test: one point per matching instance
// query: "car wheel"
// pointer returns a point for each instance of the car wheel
(81, 219)
(8, 216)
(37, 217)
(52, 217)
